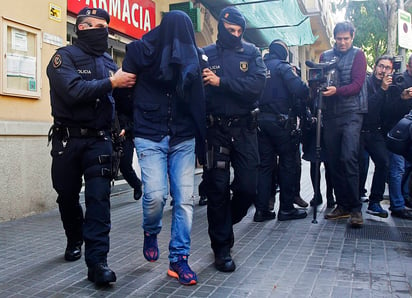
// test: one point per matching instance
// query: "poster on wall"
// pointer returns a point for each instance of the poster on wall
(130, 17)
(19, 40)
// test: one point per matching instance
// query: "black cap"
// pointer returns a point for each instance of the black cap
(233, 16)
(94, 13)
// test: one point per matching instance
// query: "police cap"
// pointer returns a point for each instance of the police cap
(94, 13)
(233, 16)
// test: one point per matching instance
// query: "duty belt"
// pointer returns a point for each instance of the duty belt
(228, 121)
(78, 132)
(279, 118)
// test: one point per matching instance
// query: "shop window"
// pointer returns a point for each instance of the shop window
(21, 66)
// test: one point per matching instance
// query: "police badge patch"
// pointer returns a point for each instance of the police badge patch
(244, 66)
(57, 60)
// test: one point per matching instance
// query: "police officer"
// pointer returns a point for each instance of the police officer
(278, 135)
(233, 86)
(83, 108)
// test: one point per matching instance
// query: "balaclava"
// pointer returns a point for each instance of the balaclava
(230, 15)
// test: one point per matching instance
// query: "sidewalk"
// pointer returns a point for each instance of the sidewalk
(274, 259)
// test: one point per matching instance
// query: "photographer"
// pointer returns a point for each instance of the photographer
(372, 139)
(345, 104)
(397, 105)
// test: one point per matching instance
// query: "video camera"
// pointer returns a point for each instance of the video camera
(321, 74)
(397, 77)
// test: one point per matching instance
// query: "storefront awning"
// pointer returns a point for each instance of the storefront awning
(268, 20)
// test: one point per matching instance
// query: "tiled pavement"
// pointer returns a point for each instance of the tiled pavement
(274, 259)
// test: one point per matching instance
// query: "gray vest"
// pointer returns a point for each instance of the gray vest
(339, 105)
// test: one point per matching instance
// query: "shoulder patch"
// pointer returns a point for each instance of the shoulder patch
(57, 60)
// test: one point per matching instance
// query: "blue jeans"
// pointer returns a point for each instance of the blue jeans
(163, 165)
(396, 171)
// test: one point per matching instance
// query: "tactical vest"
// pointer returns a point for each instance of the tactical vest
(95, 112)
(339, 105)
(229, 63)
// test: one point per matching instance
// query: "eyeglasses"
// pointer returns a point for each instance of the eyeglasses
(381, 66)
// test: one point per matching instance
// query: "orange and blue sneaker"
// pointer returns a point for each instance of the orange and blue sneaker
(182, 271)
(150, 248)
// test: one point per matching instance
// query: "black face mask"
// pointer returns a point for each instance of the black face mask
(226, 39)
(93, 41)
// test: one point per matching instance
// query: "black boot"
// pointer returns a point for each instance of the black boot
(73, 251)
(101, 274)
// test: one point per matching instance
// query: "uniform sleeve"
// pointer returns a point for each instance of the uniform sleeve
(358, 75)
(249, 87)
(294, 83)
(69, 85)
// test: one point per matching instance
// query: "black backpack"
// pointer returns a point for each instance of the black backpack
(399, 139)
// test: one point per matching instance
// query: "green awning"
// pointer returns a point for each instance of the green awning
(268, 20)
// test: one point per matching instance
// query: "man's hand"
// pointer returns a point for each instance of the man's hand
(407, 94)
(123, 79)
(386, 81)
(210, 78)
(329, 91)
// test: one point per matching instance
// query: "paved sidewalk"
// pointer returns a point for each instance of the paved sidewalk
(274, 259)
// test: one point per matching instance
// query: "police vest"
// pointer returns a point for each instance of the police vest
(87, 104)
(234, 63)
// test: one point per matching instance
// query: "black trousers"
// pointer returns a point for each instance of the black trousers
(374, 143)
(126, 162)
(234, 147)
(89, 157)
(341, 136)
(275, 140)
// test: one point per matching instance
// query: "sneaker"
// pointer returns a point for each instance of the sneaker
(377, 210)
(150, 248)
(356, 219)
(408, 202)
(402, 213)
(300, 202)
(182, 271)
(337, 213)
(364, 199)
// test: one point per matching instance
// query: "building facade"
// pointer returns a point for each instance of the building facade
(30, 32)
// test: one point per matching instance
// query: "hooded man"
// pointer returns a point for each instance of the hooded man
(234, 82)
(169, 123)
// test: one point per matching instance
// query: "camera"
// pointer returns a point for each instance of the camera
(322, 75)
(397, 77)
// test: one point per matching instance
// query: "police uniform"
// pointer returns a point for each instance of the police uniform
(82, 107)
(277, 133)
(231, 135)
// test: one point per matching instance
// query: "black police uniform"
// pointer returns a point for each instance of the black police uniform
(232, 139)
(277, 132)
(83, 109)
